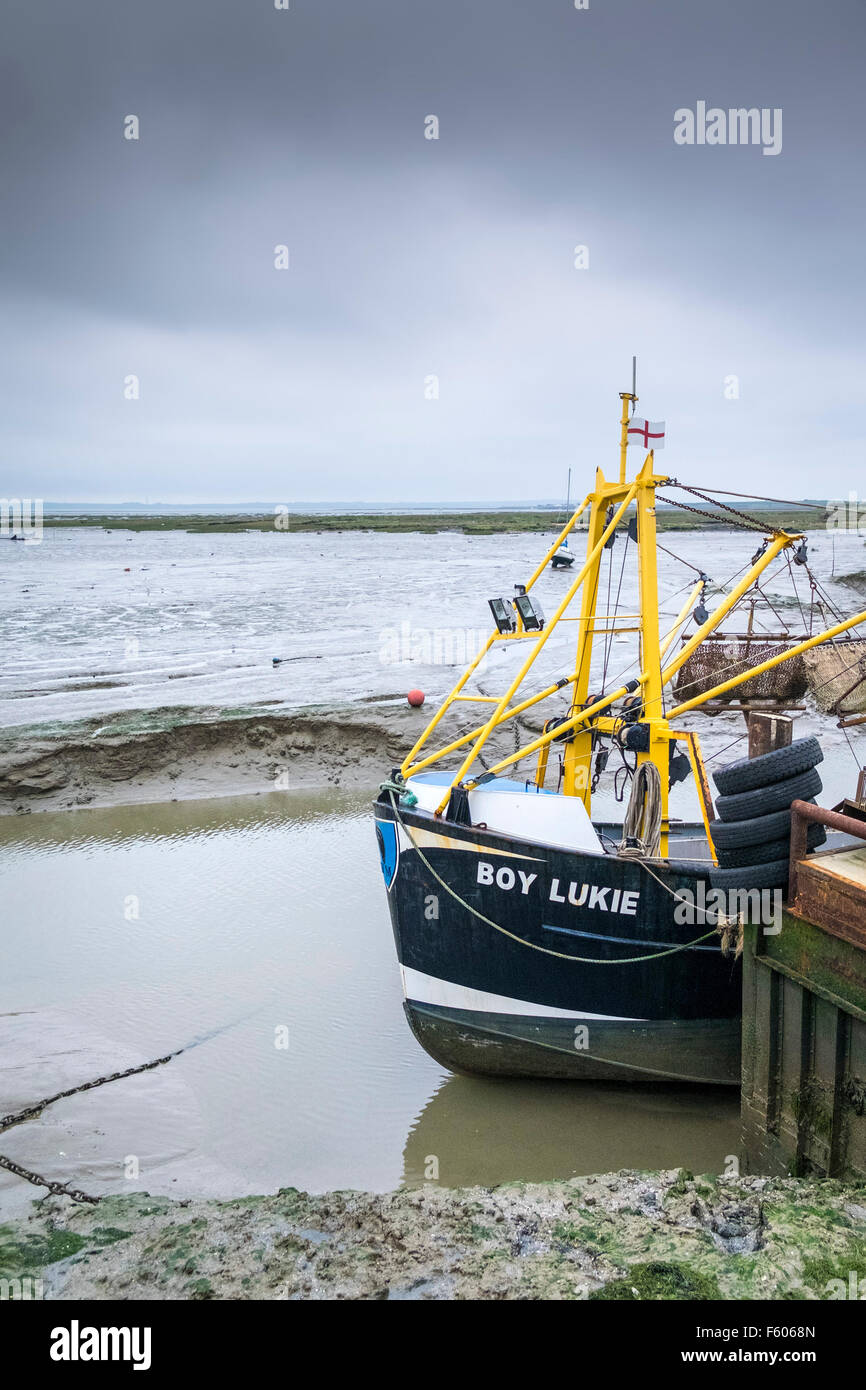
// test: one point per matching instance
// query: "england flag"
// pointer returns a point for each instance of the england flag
(649, 433)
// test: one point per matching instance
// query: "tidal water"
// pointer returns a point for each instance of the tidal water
(257, 929)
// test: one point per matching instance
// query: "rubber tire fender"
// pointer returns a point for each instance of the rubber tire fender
(763, 800)
(746, 855)
(749, 773)
(758, 831)
(773, 874)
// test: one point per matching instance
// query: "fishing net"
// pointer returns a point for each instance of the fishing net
(715, 661)
(837, 676)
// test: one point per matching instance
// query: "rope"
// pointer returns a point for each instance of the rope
(719, 751)
(797, 597)
(722, 923)
(687, 564)
(401, 790)
(726, 927)
(642, 826)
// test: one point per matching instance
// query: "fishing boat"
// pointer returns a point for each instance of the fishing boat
(535, 939)
(563, 557)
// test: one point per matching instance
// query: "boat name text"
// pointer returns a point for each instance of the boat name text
(588, 895)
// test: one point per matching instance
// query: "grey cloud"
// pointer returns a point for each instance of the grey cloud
(411, 257)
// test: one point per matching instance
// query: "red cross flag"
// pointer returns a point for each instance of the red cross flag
(649, 433)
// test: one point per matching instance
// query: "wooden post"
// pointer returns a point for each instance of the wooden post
(767, 732)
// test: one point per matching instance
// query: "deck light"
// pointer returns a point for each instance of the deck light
(503, 614)
(530, 611)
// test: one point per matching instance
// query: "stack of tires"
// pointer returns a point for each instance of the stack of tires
(752, 833)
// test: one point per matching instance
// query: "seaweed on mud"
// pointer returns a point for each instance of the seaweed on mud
(659, 1280)
(32, 1253)
(820, 1270)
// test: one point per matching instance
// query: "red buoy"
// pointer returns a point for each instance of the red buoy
(415, 698)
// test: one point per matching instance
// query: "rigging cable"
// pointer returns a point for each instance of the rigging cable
(746, 525)
(608, 646)
(688, 565)
(746, 521)
(752, 497)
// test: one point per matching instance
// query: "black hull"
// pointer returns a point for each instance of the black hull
(703, 1051)
(483, 1003)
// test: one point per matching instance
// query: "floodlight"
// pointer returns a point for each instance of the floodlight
(530, 611)
(503, 614)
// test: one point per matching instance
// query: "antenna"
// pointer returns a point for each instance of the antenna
(633, 383)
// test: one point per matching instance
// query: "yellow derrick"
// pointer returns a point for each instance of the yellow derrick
(607, 504)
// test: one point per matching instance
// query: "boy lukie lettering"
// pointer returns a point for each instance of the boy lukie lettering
(588, 895)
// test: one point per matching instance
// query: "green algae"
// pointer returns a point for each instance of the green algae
(107, 1235)
(33, 1252)
(666, 1236)
(658, 1280)
(819, 1270)
(200, 1289)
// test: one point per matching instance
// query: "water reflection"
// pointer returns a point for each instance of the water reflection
(475, 1130)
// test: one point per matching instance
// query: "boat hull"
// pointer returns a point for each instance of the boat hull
(510, 1001)
(702, 1051)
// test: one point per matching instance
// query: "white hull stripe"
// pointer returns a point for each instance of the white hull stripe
(426, 989)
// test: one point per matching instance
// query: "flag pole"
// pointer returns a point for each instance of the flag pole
(625, 397)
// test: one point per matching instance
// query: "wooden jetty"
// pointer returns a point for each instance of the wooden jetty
(804, 1014)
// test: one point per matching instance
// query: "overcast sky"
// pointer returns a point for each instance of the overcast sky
(412, 257)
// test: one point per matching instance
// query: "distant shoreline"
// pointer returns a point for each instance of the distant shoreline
(469, 522)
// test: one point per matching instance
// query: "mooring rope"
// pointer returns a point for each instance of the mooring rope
(723, 925)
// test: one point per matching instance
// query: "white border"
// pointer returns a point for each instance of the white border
(427, 989)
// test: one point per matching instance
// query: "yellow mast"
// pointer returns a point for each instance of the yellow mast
(577, 758)
(650, 641)
(625, 397)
